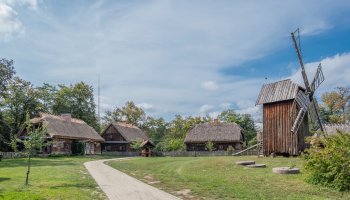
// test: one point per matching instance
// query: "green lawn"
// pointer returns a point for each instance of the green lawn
(50, 178)
(220, 178)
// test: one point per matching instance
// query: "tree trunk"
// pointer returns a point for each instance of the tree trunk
(28, 170)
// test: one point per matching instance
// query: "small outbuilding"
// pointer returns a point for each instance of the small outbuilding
(119, 136)
(222, 135)
(66, 135)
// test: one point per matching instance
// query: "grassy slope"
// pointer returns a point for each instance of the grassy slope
(220, 178)
(50, 178)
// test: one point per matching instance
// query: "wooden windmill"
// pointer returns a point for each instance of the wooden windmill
(305, 99)
(285, 107)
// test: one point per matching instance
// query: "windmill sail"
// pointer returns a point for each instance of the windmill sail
(318, 79)
(314, 113)
(303, 101)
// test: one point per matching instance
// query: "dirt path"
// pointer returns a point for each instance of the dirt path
(119, 186)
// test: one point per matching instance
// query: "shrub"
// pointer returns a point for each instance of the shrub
(330, 165)
(230, 150)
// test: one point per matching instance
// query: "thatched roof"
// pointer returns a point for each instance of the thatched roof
(333, 128)
(215, 132)
(278, 91)
(130, 132)
(58, 127)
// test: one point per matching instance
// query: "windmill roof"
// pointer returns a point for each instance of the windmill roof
(278, 91)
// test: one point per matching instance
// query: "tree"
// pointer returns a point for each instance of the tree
(6, 74)
(34, 142)
(7, 71)
(46, 97)
(130, 113)
(335, 108)
(210, 146)
(19, 100)
(155, 128)
(78, 100)
(136, 145)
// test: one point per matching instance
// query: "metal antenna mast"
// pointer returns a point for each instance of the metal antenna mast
(98, 103)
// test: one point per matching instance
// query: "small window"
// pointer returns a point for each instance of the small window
(111, 137)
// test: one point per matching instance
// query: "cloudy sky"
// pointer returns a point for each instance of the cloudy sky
(175, 57)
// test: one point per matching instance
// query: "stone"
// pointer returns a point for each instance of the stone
(256, 166)
(285, 170)
(247, 162)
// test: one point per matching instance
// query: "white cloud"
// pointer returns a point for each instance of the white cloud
(32, 4)
(336, 71)
(163, 52)
(209, 85)
(9, 22)
(146, 106)
(206, 108)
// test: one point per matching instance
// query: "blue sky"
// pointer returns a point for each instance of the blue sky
(175, 57)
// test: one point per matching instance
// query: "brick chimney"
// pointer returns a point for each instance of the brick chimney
(66, 117)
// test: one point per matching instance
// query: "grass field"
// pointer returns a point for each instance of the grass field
(220, 178)
(50, 178)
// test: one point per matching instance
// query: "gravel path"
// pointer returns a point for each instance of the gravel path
(119, 186)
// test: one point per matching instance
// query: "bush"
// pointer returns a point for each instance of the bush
(230, 150)
(330, 166)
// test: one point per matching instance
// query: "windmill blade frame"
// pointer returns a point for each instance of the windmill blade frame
(303, 101)
(318, 79)
(314, 112)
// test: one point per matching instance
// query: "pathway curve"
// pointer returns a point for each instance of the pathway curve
(119, 186)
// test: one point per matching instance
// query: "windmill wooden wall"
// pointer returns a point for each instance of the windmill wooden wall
(277, 100)
(277, 135)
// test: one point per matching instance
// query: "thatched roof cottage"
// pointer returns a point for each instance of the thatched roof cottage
(66, 134)
(222, 135)
(119, 136)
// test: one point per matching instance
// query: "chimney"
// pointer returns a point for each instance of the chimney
(66, 117)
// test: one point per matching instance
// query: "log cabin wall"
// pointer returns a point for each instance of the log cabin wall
(112, 134)
(219, 146)
(61, 146)
(277, 135)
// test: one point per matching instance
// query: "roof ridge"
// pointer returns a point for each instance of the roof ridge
(74, 120)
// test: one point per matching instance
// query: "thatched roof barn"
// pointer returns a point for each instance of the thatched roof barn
(119, 135)
(64, 131)
(222, 135)
(278, 115)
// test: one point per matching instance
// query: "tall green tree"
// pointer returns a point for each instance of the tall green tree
(129, 113)
(7, 71)
(46, 97)
(19, 100)
(77, 99)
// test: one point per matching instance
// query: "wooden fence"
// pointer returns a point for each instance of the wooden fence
(8, 154)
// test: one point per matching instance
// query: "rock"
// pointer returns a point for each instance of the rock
(256, 166)
(286, 170)
(247, 162)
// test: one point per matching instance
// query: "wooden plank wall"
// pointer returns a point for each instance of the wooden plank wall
(277, 135)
